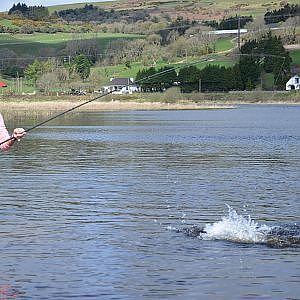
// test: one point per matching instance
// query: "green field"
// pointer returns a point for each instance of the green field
(223, 44)
(295, 55)
(15, 85)
(32, 44)
(7, 23)
(63, 37)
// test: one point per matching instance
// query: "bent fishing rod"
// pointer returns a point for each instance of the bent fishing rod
(105, 94)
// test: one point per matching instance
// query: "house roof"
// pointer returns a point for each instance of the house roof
(120, 81)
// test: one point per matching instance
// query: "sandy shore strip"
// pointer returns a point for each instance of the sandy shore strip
(103, 106)
(195, 101)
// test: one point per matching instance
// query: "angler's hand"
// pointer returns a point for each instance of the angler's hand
(19, 133)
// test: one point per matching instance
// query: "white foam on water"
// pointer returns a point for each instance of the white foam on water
(171, 228)
(236, 228)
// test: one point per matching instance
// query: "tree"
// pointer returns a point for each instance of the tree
(289, 27)
(48, 82)
(7, 58)
(250, 70)
(256, 29)
(265, 55)
(145, 79)
(188, 78)
(276, 58)
(152, 80)
(230, 23)
(14, 71)
(35, 70)
(88, 47)
(282, 14)
(151, 55)
(30, 12)
(82, 66)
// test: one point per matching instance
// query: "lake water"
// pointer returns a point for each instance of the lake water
(96, 206)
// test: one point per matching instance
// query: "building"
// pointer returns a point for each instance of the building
(121, 86)
(228, 31)
(293, 83)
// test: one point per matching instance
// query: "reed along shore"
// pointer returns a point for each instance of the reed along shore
(152, 101)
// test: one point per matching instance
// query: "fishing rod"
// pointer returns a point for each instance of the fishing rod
(105, 94)
(56, 116)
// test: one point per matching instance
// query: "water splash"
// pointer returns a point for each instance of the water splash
(236, 228)
(241, 229)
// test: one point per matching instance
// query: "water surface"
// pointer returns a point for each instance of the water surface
(93, 203)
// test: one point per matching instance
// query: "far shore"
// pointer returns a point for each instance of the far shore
(105, 106)
(194, 101)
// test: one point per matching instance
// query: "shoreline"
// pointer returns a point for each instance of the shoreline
(106, 106)
(146, 101)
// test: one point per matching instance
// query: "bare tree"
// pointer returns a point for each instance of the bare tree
(48, 52)
(179, 48)
(151, 55)
(154, 39)
(7, 58)
(289, 27)
(48, 82)
(80, 45)
(256, 29)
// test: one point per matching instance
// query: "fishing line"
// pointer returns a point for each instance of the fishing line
(105, 94)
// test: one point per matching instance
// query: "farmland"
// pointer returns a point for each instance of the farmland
(32, 44)
(295, 55)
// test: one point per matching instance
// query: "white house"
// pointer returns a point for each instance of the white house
(293, 83)
(121, 86)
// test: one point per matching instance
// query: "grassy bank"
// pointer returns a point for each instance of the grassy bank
(253, 97)
(116, 105)
(156, 101)
(232, 98)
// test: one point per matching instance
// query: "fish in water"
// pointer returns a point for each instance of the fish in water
(284, 235)
(240, 229)
(194, 231)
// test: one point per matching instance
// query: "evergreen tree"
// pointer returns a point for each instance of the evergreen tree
(165, 79)
(282, 14)
(82, 66)
(145, 79)
(30, 12)
(189, 79)
(276, 59)
(250, 70)
(266, 55)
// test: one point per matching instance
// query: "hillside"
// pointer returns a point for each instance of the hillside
(123, 38)
(196, 10)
